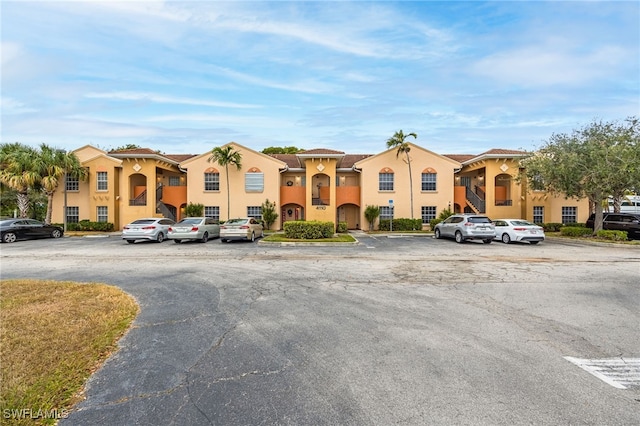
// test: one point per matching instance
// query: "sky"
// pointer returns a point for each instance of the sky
(184, 77)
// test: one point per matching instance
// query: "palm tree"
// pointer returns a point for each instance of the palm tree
(398, 140)
(54, 165)
(18, 171)
(224, 156)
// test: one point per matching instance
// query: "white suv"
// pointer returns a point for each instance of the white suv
(464, 227)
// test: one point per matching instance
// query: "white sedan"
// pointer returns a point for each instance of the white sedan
(508, 230)
(246, 228)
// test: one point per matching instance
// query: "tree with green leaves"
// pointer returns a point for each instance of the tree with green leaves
(599, 160)
(281, 150)
(54, 165)
(19, 171)
(371, 213)
(269, 214)
(225, 156)
(399, 141)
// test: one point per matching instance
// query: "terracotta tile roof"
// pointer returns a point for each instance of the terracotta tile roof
(321, 151)
(134, 151)
(498, 151)
(180, 157)
(460, 158)
(350, 159)
(290, 160)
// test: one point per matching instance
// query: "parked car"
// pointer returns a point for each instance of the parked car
(152, 228)
(246, 228)
(508, 230)
(463, 227)
(12, 230)
(194, 228)
(629, 222)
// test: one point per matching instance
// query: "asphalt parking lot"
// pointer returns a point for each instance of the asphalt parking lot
(392, 330)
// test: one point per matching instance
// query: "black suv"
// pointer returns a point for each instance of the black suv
(629, 222)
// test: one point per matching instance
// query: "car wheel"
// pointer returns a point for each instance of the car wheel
(131, 241)
(487, 241)
(177, 241)
(160, 237)
(437, 233)
(56, 233)
(534, 242)
(205, 238)
(459, 237)
(9, 237)
(262, 233)
(506, 238)
(253, 236)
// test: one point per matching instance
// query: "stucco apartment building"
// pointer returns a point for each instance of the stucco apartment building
(317, 184)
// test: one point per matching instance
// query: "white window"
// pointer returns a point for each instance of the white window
(385, 182)
(428, 213)
(174, 180)
(569, 214)
(73, 214)
(73, 183)
(103, 213)
(429, 181)
(102, 181)
(212, 181)
(538, 214)
(254, 182)
(254, 212)
(386, 212)
(212, 211)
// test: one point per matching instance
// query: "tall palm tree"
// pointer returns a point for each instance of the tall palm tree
(54, 165)
(398, 140)
(18, 171)
(224, 156)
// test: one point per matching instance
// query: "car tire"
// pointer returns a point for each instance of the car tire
(253, 236)
(56, 233)
(222, 240)
(437, 234)
(205, 238)
(177, 241)
(131, 241)
(160, 237)
(487, 241)
(506, 238)
(9, 237)
(262, 234)
(534, 242)
(459, 237)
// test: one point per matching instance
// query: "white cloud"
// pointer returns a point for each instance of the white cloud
(151, 97)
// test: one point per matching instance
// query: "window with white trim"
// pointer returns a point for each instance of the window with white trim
(254, 182)
(212, 211)
(385, 182)
(254, 212)
(73, 183)
(569, 214)
(102, 213)
(73, 214)
(212, 181)
(102, 181)
(386, 212)
(428, 213)
(429, 181)
(538, 214)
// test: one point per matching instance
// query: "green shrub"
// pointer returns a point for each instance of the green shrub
(401, 224)
(552, 227)
(194, 210)
(612, 235)
(575, 231)
(86, 225)
(311, 230)
(342, 227)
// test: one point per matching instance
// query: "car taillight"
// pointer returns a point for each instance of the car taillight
(244, 227)
(468, 224)
(194, 228)
(149, 227)
(126, 227)
(223, 227)
(519, 229)
(170, 229)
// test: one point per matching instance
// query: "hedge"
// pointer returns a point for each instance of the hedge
(342, 227)
(575, 231)
(401, 224)
(311, 230)
(86, 225)
(612, 235)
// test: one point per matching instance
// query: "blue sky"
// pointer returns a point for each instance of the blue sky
(184, 77)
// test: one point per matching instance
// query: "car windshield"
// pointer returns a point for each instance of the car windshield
(236, 221)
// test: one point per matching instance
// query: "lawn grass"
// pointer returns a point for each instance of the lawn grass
(53, 335)
(337, 238)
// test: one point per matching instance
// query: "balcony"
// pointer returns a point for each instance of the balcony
(347, 195)
(292, 195)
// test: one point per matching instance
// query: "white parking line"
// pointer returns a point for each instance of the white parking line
(620, 373)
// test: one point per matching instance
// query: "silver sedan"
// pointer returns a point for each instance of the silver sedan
(246, 228)
(194, 228)
(152, 229)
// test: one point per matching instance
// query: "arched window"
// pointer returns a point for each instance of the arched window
(385, 179)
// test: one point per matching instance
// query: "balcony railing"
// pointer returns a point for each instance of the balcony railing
(504, 202)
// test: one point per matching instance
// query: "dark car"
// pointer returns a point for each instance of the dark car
(629, 222)
(12, 230)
